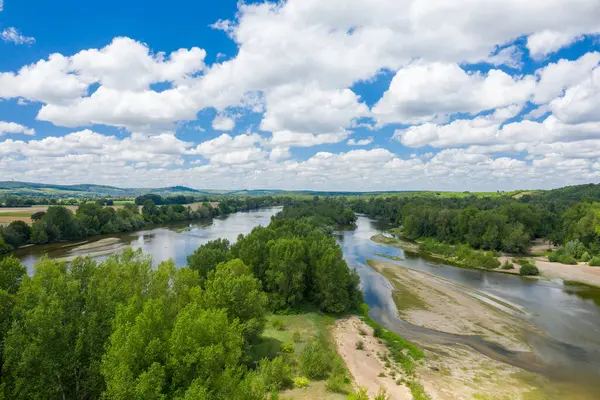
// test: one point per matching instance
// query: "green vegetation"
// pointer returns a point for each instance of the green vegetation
(528, 268)
(58, 223)
(462, 254)
(402, 352)
(569, 217)
(126, 329)
(417, 391)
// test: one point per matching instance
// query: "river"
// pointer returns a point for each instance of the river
(569, 315)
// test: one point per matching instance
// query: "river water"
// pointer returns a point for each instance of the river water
(569, 315)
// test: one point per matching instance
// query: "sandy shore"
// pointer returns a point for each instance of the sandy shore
(365, 365)
(458, 372)
(435, 303)
(581, 272)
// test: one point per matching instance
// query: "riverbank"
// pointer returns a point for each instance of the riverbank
(581, 273)
(435, 303)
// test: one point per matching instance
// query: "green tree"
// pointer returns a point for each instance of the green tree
(285, 277)
(232, 287)
(208, 256)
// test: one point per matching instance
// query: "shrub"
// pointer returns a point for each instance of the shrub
(276, 373)
(296, 336)
(359, 394)
(360, 345)
(528, 269)
(382, 395)
(315, 360)
(586, 257)
(278, 324)
(362, 332)
(287, 348)
(300, 382)
(381, 374)
(336, 383)
(562, 256)
(508, 265)
(595, 261)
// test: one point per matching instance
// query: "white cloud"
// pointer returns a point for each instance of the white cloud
(45, 81)
(297, 139)
(361, 142)
(540, 44)
(12, 35)
(305, 109)
(301, 65)
(554, 78)
(223, 123)
(13, 127)
(581, 103)
(429, 92)
(128, 65)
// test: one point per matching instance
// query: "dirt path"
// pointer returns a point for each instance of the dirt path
(435, 303)
(365, 365)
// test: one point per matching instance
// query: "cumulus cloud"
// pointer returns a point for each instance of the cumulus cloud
(13, 35)
(13, 127)
(302, 65)
(360, 142)
(223, 123)
(428, 92)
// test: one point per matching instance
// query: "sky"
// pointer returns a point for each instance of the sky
(344, 95)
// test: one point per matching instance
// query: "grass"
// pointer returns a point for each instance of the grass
(15, 214)
(403, 352)
(393, 242)
(391, 257)
(306, 327)
(417, 391)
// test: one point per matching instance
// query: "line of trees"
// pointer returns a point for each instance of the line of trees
(125, 329)
(568, 217)
(58, 223)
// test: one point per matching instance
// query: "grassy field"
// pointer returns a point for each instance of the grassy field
(296, 331)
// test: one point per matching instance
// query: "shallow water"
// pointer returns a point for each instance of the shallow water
(569, 314)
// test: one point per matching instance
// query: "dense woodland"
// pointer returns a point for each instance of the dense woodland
(569, 217)
(58, 223)
(124, 329)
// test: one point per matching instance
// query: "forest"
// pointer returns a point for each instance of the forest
(568, 217)
(125, 329)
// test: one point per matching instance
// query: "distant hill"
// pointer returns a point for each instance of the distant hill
(87, 190)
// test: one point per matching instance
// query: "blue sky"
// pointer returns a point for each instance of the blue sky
(303, 94)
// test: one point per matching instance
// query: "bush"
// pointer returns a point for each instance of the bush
(278, 324)
(300, 383)
(508, 265)
(595, 261)
(360, 345)
(586, 257)
(362, 332)
(528, 269)
(359, 394)
(315, 360)
(287, 348)
(562, 256)
(276, 373)
(296, 336)
(382, 395)
(336, 384)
